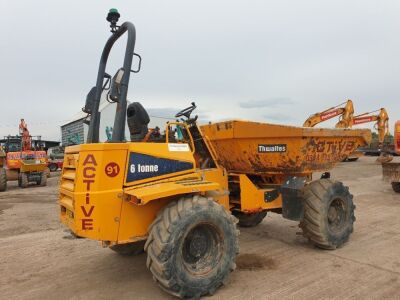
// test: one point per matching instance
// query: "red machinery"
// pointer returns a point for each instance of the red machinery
(23, 162)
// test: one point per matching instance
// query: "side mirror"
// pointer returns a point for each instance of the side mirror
(115, 89)
(106, 85)
(90, 98)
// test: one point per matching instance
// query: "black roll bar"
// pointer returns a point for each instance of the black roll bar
(120, 114)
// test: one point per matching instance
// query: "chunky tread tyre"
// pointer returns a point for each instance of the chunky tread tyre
(250, 220)
(173, 235)
(129, 249)
(23, 180)
(328, 213)
(3, 180)
(396, 187)
(43, 179)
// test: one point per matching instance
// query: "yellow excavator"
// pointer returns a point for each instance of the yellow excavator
(391, 170)
(381, 119)
(345, 114)
(345, 111)
(348, 120)
(381, 125)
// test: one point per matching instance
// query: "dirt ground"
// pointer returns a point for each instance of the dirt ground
(38, 258)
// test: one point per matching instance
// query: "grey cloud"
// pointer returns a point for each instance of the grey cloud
(271, 102)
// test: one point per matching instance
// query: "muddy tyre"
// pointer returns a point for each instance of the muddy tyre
(3, 180)
(43, 179)
(192, 246)
(23, 180)
(129, 249)
(328, 213)
(250, 220)
(396, 187)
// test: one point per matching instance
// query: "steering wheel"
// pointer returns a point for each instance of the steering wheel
(186, 112)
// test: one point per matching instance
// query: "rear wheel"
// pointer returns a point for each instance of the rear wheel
(250, 220)
(23, 180)
(3, 180)
(43, 179)
(129, 249)
(328, 213)
(47, 172)
(396, 187)
(192, 246)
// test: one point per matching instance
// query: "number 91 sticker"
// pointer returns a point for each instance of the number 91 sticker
(112, 169)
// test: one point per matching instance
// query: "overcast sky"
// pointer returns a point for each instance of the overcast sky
(273, 61)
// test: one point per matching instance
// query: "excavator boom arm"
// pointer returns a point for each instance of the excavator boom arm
(381, 119)
(320, 117)
(346, 113)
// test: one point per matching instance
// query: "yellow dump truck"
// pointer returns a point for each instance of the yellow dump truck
(179, 194)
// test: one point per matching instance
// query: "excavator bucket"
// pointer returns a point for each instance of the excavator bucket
(257, 148)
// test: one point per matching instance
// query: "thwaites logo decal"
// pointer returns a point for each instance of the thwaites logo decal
(88, 177)
(142, 166)
(272, 148)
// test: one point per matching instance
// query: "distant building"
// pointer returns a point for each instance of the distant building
(75, 130)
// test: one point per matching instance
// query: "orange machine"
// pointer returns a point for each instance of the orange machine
(345, 113)
(381, 119)
(381, 125)
(391, 170)
(397, 137)
(22, 162)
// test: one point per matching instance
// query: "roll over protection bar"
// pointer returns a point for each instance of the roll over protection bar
(120, 115)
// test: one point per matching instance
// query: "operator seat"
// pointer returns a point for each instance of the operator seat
(138, 119)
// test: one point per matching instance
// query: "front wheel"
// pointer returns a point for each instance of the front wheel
(3, 180)
(43, 179)
(192, 246)
(23, 180)
(396, 187)
(328, 213)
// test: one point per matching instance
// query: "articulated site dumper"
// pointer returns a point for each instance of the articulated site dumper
(178, 195)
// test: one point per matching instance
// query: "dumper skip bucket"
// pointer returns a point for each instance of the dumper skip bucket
(262, 148)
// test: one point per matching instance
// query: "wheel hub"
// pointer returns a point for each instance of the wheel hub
(337, 214)
(198, 245)
(332, 214)
(202, 248)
